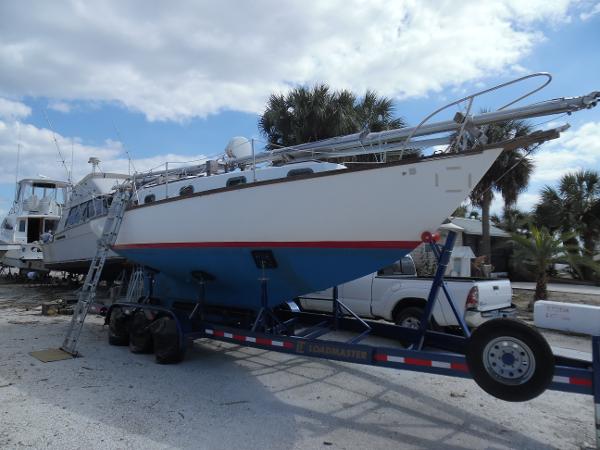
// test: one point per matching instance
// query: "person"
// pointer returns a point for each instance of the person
(477, 266)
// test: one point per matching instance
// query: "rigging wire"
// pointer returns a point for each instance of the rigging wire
(62, 159)
(129, 158)
(18, 160)
(510, 169)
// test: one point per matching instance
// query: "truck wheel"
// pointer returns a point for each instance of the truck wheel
(409, 317)
(167, 349)
(510, 360)
(140, 338)
(118, 327)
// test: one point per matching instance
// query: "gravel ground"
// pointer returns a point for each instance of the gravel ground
(225, 396)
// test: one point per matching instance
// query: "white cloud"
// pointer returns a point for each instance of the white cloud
(591, 12)
(62, 107)
(11, 110)
(527, 201)
(39, 155)
(577, 149)
(201, 57)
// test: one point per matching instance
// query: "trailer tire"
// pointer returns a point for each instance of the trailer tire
(140, 337)
(409, 317)
(118, 327)
(510, 360)
(167, 348)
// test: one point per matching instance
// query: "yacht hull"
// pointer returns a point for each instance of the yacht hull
(319, 230)
(72, 250)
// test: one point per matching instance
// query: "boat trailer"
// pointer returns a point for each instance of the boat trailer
(505, 357)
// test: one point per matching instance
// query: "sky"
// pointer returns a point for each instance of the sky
(154, 82)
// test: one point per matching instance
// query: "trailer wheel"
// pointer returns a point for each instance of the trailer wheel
(140, 338)
(167, 349)
(510, 360)
(118, 327)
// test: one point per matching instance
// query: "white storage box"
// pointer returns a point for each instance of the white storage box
(572, 317)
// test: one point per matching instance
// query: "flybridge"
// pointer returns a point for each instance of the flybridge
(465, 130)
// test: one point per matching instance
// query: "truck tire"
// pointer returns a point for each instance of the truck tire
(140, 337)
(409, 317)
(167, 348)
(510, 360)
(118, 327)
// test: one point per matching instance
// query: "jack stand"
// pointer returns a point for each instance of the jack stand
(338, 314)
(149, 280)
(199, 307)
(336, 308)
(442, 253)
(201, 277)
(266, 321)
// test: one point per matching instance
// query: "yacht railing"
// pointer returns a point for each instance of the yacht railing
(396, 140)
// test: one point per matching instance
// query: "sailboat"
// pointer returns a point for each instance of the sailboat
(304, 224)
(290, 217)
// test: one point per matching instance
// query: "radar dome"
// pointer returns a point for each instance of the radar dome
(239, 147)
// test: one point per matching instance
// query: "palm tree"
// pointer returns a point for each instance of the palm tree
(509, 175)
(540, 251)
(310, 114)
(461, 211)
(513, 220)
(574, 207)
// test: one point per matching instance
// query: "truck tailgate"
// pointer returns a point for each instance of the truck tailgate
(494, 294)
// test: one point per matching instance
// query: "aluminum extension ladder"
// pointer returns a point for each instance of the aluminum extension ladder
(88, 292)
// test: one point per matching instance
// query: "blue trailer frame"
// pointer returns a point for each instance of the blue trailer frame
(301, 333)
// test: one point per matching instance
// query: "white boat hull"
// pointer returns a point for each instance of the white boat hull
(25, 257)
(73, 249)
(321, 230)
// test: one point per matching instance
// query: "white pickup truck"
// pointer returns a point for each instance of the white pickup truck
(396, 294)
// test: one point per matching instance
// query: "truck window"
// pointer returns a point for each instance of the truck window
(408, 266)
(403, 267)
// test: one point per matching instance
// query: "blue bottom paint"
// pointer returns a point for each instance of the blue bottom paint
(299, 271)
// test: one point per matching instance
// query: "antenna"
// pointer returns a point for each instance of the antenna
(18, 153)
(72, 152)
(62, 159)
(95, 162)
(129, 159)
(18, 160)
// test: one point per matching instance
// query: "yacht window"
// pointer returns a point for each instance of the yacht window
(22, 225)
(6, 225)
(98, 207)
(303, 171)
(60, 196)
(186, 190)
(49, 225)
(44, 185)
(149, 198)
(236, 181)
(91, 210)
(107, 201)
(73, 217)
(85, 211)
